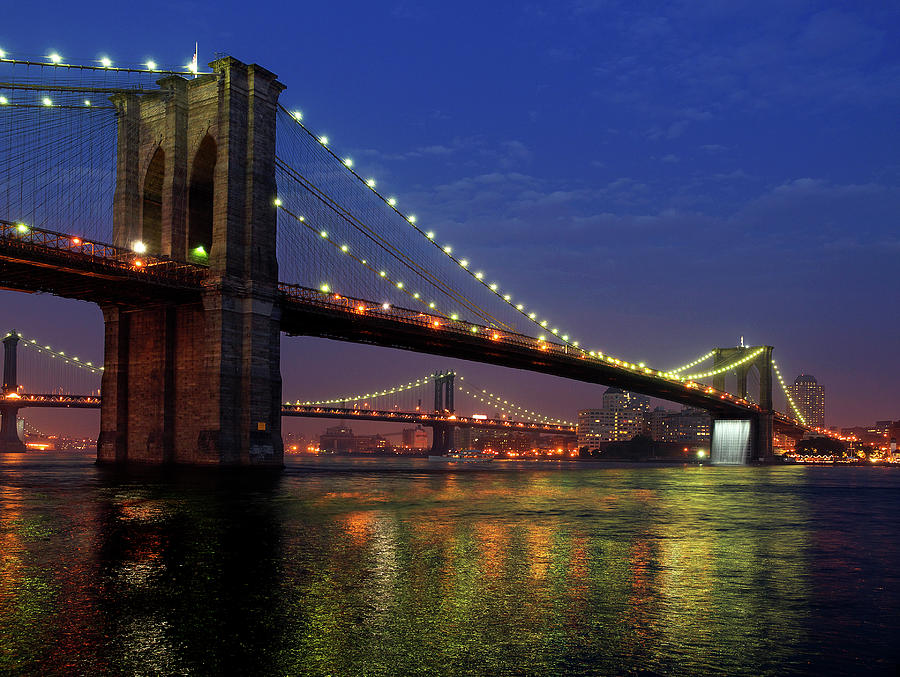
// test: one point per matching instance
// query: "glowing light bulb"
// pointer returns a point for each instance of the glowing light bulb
(345, 248)
(399, 285)
(277, 202)
(297, 115)
(454, 316)
(325, 288)
(3, 101)
(543, 323)
(55, 57)
(151, 65)
(348, 162)
(22, 228)
(431, 305)
(493, 286)
(382, 273)
(2, 54)
(447, 249)
(139, 247)
(479, 275)
(507, 298)
(323, 140)
(463, 263)
(47, 101)
(392, 201)
(386, 306)
(411, 218)
(323, 233)
(416, 295)
(370, 183)
(519, 306)
(532, 315)
(87, 102)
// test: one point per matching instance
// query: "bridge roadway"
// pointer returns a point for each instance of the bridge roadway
(43, 400)
(38, 260)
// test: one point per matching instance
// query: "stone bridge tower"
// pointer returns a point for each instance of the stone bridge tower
(198, 382)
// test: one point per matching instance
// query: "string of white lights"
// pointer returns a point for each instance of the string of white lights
(104, 63)
(687, 366)
(726, 367)
(490, 398)
(787, 394)
(385, 276)
(447, 249)
(72, 360)
(367, 396)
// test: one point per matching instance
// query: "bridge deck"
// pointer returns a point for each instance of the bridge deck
(37, 260)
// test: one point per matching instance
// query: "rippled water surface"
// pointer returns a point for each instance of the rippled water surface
(360, 567)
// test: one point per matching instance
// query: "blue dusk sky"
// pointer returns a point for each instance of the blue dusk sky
(658, 178)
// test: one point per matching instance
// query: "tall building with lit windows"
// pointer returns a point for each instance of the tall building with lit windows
(809, 396)
(622, 416)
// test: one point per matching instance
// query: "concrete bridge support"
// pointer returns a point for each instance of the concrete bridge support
(198, 382)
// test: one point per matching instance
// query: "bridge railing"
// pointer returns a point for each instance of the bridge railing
(162, 269)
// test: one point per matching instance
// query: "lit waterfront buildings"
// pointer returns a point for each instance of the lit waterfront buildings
(415, 438)
(625, 415)
(622, 416)
(688, 426)
(809, 396)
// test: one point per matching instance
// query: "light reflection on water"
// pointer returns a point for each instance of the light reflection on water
(350, 567)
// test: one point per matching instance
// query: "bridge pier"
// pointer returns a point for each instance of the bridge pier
(198, 383)
(739, 441)
(9, 434)
(441, 439)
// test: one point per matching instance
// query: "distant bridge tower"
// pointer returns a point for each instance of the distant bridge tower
(442, 433)
(9, 437)
(762, 424)
(198, 382)
(443, 391)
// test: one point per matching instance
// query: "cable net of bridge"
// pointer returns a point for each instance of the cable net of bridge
(43, 369)
(340, 232)
(58, 140)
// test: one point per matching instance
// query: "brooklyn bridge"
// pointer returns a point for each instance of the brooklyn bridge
(206, 220)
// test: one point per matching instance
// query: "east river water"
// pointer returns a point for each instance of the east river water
(395, 567)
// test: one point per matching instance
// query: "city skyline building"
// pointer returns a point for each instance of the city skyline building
(622, 416)
(809, 396)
